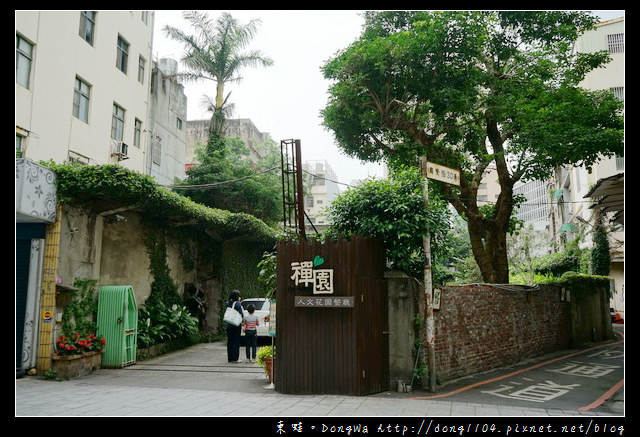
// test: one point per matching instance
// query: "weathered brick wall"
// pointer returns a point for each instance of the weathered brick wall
(482, 327)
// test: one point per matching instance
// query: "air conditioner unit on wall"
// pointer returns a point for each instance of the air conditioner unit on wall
(120, 149)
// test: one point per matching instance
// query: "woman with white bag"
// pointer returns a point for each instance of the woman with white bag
(233, 329)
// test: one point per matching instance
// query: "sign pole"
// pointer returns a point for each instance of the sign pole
(428, 285)
(272, 334)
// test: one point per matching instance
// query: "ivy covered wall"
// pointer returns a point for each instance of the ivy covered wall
(123, 229)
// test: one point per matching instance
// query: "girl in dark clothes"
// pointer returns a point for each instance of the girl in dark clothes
(233, 332)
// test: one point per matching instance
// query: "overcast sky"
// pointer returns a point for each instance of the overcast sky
(285, 99)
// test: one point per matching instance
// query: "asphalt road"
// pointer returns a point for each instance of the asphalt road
(587, 379)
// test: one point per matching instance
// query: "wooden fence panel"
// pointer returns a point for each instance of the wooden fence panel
(331, 342)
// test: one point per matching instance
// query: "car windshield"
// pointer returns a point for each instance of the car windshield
(259, 304)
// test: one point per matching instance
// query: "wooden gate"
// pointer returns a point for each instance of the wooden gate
(332, 320)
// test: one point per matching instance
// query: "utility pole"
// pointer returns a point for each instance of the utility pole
(428, 284)
(292, 187)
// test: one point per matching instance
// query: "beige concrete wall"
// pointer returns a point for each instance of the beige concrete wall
(112, 249)
(402, 308)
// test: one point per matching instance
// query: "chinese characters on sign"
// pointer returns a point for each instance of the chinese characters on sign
(304, 274)
(443, 174)
(327, 302)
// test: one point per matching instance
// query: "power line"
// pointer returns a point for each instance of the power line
(327, 179)
(215, 184)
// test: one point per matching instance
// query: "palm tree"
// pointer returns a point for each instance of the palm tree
(214, 52)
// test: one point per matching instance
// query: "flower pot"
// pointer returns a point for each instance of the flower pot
(268, 366)
(72, 366)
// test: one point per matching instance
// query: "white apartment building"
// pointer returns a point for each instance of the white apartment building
(243, 128)
(167, 124)
(82, 86)
(535, 210)
(489, 187)
(570, 209)
(320, 180)
(83, 94)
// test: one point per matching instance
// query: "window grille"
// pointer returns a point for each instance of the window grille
(615, 43)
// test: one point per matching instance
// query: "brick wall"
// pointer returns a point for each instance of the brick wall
(481, 327)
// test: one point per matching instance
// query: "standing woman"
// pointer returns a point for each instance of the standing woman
(233, 332)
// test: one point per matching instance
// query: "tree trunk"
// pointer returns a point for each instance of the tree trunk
(489, 246)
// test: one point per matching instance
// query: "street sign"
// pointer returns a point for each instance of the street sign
(443, 174)
(272, 318)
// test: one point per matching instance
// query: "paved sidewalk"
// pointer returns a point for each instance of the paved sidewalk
(199, 382)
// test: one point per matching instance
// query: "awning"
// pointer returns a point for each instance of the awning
(608, 195)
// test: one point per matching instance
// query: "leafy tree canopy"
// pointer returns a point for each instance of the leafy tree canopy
(216, 51)
(229, 178)
(392, 211)
(469, 90)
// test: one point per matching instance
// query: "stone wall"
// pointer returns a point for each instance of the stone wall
(481, 327)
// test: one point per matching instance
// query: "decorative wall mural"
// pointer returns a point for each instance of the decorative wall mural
(35, 192)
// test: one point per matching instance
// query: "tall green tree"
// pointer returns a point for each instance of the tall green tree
(216, 52)
(469, 90)
(391, 210)
(601, 253)
(229, 178)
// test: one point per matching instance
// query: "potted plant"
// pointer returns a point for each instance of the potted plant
(77, 354)
(264, 358)
(78, 351)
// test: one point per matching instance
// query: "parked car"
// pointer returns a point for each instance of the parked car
(615, 316)
(262, 311)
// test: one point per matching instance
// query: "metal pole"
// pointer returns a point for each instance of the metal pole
(300, 198)
(428, 285)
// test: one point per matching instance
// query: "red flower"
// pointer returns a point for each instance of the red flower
(79, 343)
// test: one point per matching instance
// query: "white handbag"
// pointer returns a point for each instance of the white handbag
(232, 316)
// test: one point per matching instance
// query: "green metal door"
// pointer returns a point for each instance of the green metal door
(118, 323)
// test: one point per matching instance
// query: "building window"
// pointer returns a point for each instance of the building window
(24, 51)
(20, 141)
(615, 43)
(618, 93)
(87, 25)
(145, 17)
(154, 81)
(81, 100)
(123, 55)
(179, 123)
(117, 123)
(137, 133)
(156, 151)
(141, 67)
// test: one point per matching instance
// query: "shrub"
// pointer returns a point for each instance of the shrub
(556, 264)
(159, 323)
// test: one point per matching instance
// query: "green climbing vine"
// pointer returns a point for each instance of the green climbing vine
(96, 185)
(230, 242)
(80, 315)
(582, 285)
(163, 288)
